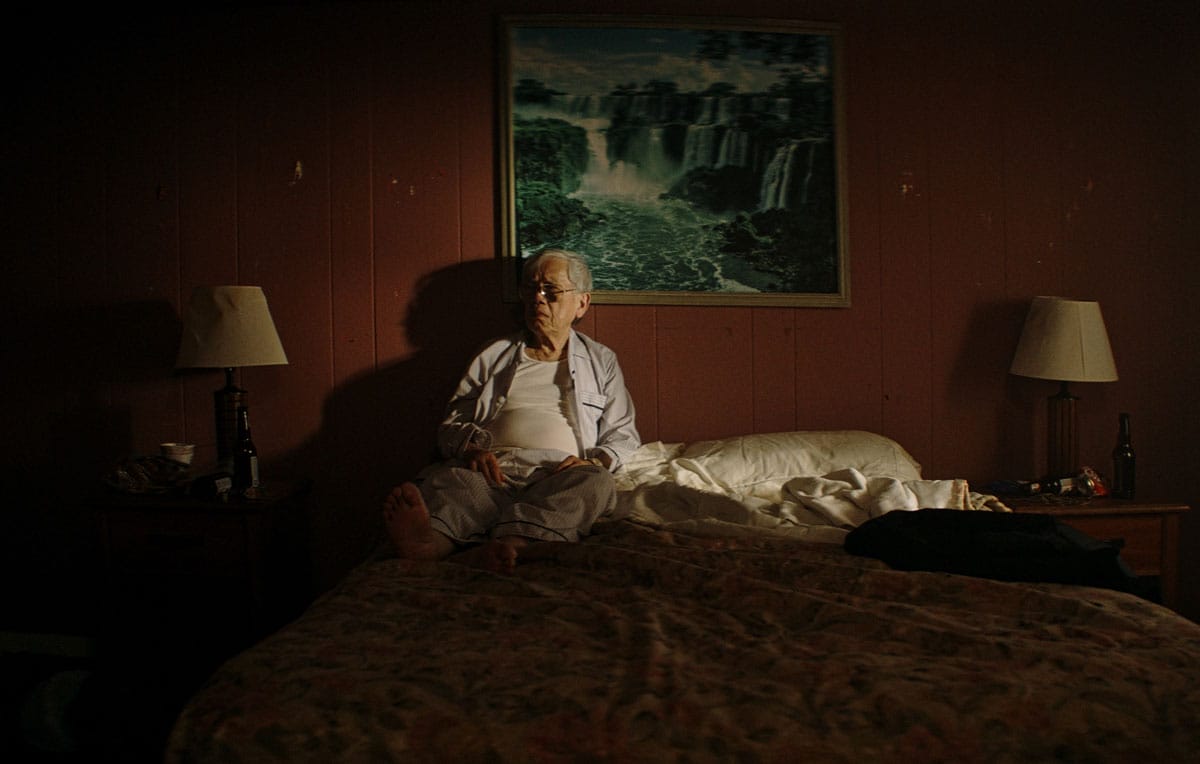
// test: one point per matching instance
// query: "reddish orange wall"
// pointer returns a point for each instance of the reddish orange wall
(343, 157)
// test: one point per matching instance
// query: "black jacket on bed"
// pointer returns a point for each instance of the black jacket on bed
(999, 545)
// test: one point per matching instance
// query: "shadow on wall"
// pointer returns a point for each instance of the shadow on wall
(102, 355)
(379, 429)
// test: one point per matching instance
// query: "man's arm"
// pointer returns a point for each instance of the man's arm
(459, 431)
(618, 437)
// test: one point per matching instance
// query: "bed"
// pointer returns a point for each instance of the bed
(717, 617)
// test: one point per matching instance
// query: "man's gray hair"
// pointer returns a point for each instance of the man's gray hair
(577, 267)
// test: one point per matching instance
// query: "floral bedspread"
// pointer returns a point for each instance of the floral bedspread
(645, 646)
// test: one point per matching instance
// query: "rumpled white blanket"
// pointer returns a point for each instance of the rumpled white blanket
(660, 489)
(848, 498)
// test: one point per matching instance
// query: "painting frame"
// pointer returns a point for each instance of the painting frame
(796, 253)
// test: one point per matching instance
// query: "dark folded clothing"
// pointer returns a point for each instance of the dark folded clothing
(998, 545)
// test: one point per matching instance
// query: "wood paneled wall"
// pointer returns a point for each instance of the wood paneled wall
(343, 157)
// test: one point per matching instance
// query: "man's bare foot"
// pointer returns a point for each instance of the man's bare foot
(498, 555)
(407, 521)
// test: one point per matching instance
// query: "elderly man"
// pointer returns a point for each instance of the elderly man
(532, 435)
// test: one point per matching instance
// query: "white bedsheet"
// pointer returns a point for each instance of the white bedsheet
(664, 487)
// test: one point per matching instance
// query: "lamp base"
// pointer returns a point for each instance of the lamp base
(1062, 443)
(226, 402)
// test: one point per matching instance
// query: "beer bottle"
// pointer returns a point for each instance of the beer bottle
(245, 457)
(1123, 462)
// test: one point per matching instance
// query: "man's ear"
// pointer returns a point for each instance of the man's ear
(585, 301)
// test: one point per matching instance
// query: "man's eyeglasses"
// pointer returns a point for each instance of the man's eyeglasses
(549, 291)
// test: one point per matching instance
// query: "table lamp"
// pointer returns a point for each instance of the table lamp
(226, 327)
(1065, 341)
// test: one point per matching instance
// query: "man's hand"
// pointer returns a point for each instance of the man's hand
(485, 462)
(575, 461)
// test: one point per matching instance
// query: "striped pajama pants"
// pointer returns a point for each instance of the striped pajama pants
(559, 507)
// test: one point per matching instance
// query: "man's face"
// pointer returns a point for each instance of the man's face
(552, 316)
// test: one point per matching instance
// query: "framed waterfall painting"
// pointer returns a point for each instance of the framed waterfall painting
(690, 162)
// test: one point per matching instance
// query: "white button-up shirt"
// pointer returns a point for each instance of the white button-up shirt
(604, 413)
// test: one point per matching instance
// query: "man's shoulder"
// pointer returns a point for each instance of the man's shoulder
(588, 342)
(593, 347)
(503, 342)
(498, 347)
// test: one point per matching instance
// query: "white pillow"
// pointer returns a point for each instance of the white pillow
(746, 460)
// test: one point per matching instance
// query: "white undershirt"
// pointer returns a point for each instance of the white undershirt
(537, 413)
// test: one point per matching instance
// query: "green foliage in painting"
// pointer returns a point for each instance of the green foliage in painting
(551, 157)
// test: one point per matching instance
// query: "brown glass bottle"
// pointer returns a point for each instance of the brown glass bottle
(245, 456)
(1123, 462)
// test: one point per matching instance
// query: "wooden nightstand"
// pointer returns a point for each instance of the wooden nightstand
(1150, 530)
(195, 581)
(185, 585)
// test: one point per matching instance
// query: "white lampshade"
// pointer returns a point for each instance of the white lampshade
(1064, 340)
(227, 327)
